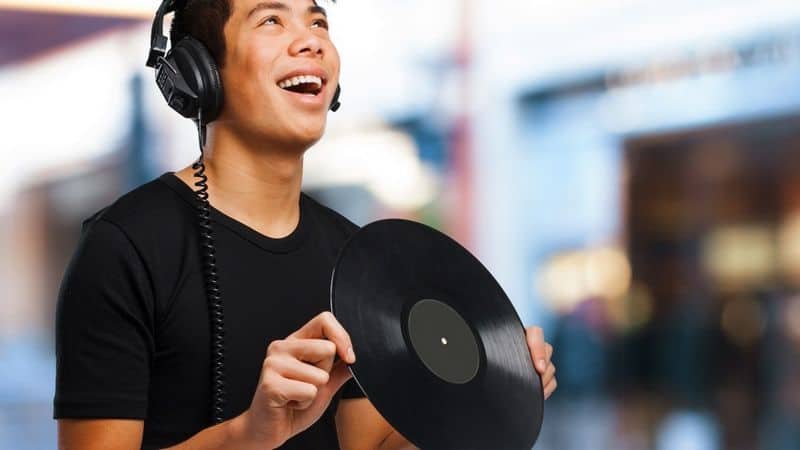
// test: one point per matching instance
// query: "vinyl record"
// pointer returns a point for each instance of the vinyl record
(440, 350)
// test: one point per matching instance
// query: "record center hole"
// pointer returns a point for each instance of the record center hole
(444, 341)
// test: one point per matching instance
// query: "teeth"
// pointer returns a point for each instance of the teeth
(294, 81)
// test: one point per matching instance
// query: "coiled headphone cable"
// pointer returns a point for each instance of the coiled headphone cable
(215, 306)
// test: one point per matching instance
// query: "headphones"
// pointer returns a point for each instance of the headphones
(187, 74)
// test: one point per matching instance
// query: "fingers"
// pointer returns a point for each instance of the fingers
(295, 369)
(326, 326)
(549, 375)
(289, 382)
(538, 348)
(550, 388)
(542, 353)
(319, 352)
(282, 392)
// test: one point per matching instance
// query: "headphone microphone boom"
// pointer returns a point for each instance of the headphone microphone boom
(188, 77)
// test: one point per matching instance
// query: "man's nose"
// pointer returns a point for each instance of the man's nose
(306, 44)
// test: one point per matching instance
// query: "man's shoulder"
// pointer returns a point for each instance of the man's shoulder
(151, 207)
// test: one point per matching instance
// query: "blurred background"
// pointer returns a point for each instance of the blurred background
(629, 170)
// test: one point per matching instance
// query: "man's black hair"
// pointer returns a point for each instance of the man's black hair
(205, 21)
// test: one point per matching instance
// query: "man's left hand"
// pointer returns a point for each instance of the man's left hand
(541, 353)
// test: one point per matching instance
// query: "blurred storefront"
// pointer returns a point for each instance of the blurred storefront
(660, 214)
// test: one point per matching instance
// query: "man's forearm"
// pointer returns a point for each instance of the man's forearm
(224, 436)
(396, 441)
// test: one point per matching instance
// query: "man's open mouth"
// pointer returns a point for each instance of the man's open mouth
(303, 84)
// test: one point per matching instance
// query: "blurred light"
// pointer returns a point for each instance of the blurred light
(742, 320)
(739, 257)
(120, 8)
(385, 161)
(607, 272)
(570, 278)
(633, 310)
(561, 282)
(789, 248)
(640, 306)
(685, 430)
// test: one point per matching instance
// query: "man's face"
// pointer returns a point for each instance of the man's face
(281, 71)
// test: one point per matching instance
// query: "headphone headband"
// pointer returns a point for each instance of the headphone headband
(158, 41)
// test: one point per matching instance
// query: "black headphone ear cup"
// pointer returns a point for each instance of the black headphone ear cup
(201, 74)
(216, 88)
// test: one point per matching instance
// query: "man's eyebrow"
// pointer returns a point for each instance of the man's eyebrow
(283, 7)
(317, 9)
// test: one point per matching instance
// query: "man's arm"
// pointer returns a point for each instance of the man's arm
(113, 434)
(361, 427)
(90, 434)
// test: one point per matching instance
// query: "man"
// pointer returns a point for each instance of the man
(132, 327)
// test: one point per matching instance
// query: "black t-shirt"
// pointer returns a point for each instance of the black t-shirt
(132, 327)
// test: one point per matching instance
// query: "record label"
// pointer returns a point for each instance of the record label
(443, 341)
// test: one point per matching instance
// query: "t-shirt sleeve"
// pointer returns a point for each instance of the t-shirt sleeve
(103, 329)
(351, 390)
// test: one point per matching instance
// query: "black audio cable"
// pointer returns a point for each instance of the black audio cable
(215, 306)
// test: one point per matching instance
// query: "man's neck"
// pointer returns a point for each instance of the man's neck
(259, 187)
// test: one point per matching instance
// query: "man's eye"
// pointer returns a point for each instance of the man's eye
(271, 20)
(321, 23)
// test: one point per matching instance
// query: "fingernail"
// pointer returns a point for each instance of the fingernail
(542, 364)
(351, 355)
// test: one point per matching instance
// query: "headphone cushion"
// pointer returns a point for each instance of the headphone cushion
(201, 74)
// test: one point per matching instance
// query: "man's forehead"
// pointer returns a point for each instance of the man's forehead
(247, 6)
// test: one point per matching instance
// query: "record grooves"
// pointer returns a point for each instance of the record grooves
(441, 352)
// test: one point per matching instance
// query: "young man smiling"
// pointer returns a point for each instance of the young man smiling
(132, 321)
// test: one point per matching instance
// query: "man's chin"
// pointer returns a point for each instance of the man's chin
(309, 131)
(301, 138)
(289, 127)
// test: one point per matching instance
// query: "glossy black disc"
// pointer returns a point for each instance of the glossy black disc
(441, 352)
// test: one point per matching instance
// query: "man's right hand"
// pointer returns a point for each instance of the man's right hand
(298, 380)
